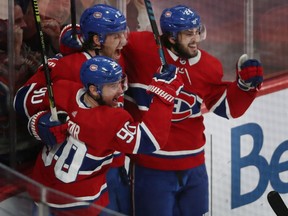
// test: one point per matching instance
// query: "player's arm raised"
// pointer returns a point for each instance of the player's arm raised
(152, 133)
(249, 79)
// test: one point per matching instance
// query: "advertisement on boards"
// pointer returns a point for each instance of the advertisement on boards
(248, 157)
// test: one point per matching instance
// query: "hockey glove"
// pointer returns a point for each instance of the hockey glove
(67, 43)
(50, 132)
(249, 73)
(167, 84)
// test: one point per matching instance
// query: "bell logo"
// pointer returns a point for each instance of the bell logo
(267, 172)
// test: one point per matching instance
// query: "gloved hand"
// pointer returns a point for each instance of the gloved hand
(167, 84)
(68, 44)
(249, 73)
(49, 132)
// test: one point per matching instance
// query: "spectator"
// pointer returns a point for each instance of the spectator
(53, 17)
(26, 63)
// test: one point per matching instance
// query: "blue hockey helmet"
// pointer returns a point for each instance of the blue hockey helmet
(100, 70)
(102, 19)
(179, 18)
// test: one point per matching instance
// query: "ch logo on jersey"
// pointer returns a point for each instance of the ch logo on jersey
(186, 105)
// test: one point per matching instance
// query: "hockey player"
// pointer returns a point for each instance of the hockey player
(173, 180)
(79, 165)
(104, 33)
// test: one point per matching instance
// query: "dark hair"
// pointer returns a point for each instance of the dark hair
(165, 40)
(89, 44)
(23, 4)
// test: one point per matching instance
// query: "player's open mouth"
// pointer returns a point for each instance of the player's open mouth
(116, 99)
(117, 53)
(193, 46)
(115, 102)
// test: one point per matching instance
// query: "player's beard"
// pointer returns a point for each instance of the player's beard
(182, 51)
(100, 100)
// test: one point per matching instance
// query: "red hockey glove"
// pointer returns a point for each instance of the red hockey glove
(67, 43)
(167, 84)
(50, 132)
(249, 73)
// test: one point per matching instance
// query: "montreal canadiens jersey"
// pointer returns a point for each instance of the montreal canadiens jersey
(66, 68)
(203, 85)
(79, 165)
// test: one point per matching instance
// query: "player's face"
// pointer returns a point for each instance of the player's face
(113, 45)
(186, 43)
(111, 93)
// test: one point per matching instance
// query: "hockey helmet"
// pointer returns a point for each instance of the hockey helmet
(100, 70)
(179, 18)
(102, 19)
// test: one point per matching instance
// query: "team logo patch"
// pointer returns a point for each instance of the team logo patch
(97, 15)
(93, 67)
(168, 14)
(186, 106)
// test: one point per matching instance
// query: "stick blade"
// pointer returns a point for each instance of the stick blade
(277, 204)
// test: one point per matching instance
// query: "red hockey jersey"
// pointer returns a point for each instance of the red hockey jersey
(203, 84)
(79, 165)
(66, 68)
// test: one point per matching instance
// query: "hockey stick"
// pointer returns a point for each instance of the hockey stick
(277, 203)
(155, 31)
(44, 60)
(73, 17)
